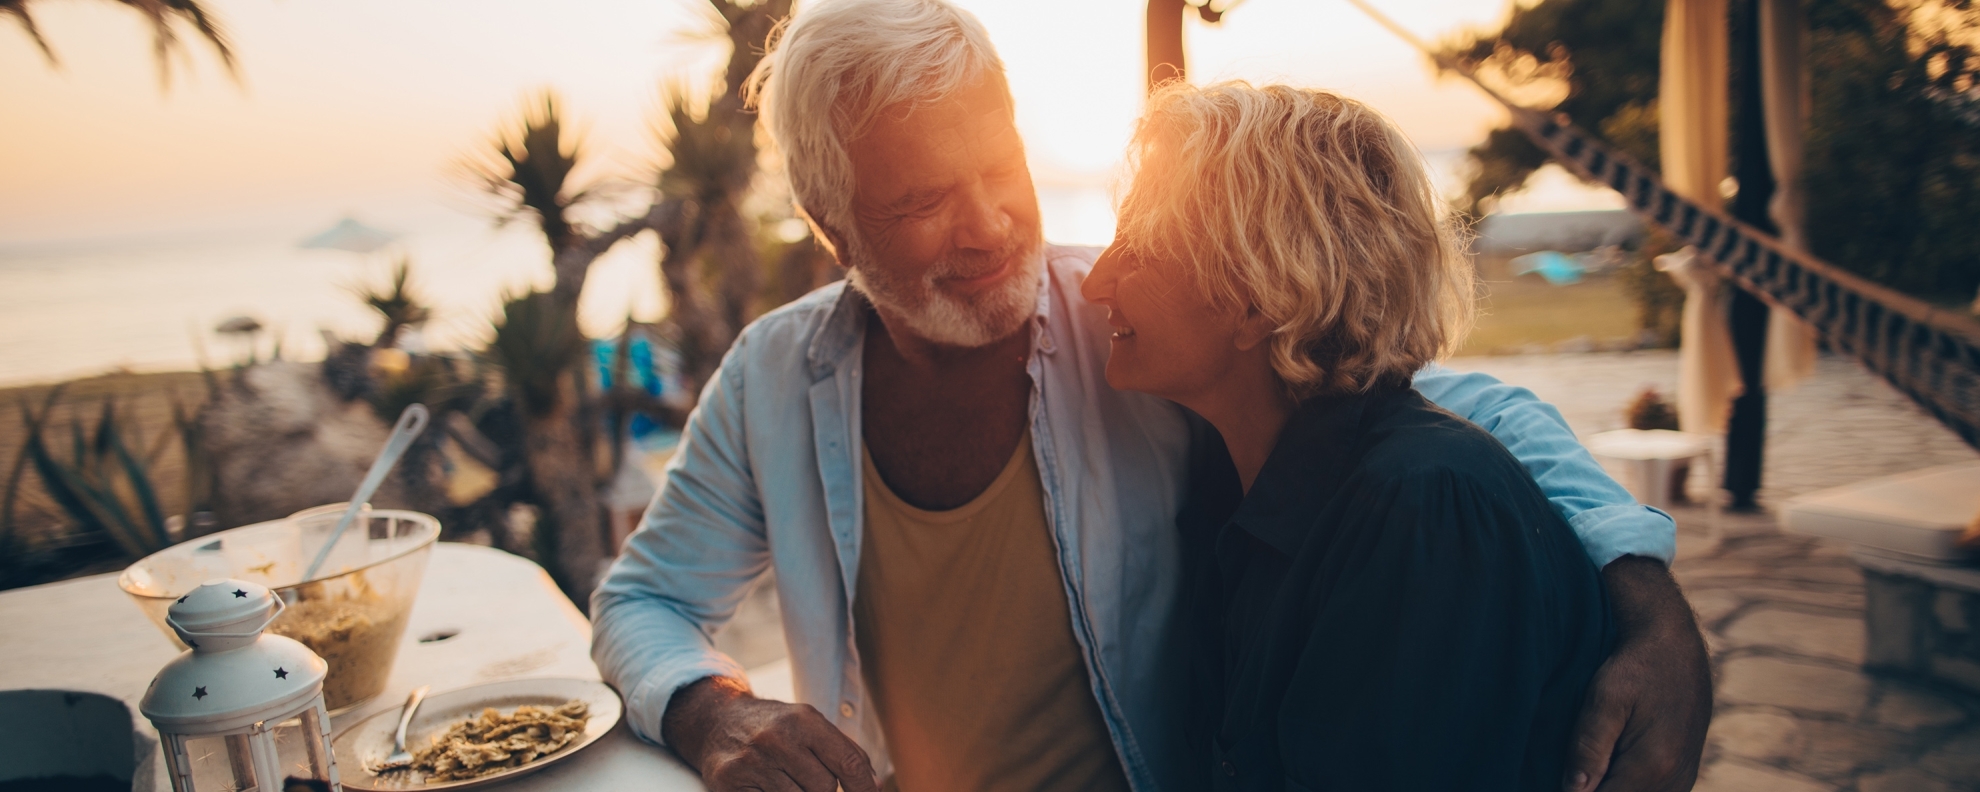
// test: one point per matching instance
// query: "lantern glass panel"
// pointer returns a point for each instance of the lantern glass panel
(296, 749)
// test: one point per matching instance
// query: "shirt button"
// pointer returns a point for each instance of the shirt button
(1230, 769)
(845, 709)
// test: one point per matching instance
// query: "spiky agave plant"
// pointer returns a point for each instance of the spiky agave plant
(103, 482)
(164, 15)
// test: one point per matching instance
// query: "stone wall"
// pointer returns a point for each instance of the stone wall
(1921, 626)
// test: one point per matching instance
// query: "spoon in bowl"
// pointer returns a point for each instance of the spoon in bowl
(411, 423)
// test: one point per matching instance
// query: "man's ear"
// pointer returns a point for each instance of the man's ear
(1254, 330)
(834, 243)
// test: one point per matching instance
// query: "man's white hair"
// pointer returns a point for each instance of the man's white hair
(836, 64)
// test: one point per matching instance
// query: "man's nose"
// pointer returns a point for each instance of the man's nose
(983, 223)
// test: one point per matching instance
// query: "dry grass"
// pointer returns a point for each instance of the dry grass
(1525, 313)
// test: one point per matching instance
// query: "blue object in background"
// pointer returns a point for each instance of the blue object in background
(1556, 267)
(645, 372)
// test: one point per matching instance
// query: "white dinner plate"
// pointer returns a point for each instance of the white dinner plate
(367, 743)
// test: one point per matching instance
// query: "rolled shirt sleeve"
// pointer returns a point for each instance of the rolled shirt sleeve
(688, 567)
(1608, 520)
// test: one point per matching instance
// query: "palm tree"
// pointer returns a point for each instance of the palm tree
(530, 175)
(539, 350)
(165, 17)
(709, 263)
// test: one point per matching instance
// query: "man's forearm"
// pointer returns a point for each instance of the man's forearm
(1643, 722)
(1646, 600)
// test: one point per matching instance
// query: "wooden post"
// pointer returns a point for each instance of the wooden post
(1165, 43)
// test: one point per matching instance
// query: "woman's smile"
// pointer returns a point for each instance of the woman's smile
(1122, 330)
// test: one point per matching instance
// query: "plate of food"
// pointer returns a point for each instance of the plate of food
(479, 735)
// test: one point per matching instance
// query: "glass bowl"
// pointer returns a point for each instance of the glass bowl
(352, 613)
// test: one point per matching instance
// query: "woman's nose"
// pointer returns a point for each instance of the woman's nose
(1099, 284)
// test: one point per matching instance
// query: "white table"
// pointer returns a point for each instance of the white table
(1649, 459)
(508, 620)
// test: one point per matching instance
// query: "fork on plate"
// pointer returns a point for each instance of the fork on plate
(400, 758)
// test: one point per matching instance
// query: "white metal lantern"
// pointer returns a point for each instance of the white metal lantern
(240, 710)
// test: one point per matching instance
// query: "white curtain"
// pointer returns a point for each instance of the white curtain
(1784, 93)
(1692, 106)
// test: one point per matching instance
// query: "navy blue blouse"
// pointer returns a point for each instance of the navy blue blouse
(1393, 606)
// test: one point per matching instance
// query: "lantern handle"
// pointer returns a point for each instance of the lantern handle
(280, 605)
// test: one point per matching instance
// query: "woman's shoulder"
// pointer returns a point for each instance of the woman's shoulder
(1406, 438)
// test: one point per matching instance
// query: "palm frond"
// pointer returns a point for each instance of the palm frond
(397, 303)
(537, 341)
(531, 168)
(165, 15)
(18, 9)
(710, 157)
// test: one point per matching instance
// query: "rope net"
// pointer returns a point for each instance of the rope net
(1928, 353)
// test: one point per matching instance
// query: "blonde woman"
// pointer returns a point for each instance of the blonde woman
(1380, 597)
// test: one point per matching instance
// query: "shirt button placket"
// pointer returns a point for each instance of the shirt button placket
(845, 709)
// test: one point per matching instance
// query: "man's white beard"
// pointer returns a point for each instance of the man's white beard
(939, 317)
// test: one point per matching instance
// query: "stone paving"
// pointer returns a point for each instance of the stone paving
(1783, 614)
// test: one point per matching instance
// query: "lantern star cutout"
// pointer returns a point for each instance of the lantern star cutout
(281, 673)
(199, 693)
(239, 594)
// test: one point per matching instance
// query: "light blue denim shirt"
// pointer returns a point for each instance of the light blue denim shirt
(767, 477)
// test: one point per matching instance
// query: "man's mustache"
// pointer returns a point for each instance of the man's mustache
(965, 266)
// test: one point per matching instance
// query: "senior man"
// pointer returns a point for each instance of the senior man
(972, 534)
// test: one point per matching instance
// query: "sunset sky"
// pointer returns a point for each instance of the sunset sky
(133, 220)
(364, 105)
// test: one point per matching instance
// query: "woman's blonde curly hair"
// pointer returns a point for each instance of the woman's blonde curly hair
(1315, 211)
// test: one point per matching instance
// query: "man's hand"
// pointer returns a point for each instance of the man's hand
(738, 741)
(1642, 727)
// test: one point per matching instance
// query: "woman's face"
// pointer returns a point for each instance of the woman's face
(1169, 340)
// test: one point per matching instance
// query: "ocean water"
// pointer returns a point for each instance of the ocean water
(78, 308)
(150, 303)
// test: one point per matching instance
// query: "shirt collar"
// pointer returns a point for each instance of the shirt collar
(840, 335)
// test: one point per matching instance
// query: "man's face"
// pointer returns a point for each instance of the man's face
(948, 240)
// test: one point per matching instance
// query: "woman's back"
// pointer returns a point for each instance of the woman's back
(1393, 605)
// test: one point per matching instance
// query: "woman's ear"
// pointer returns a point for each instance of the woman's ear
(1254, 329)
